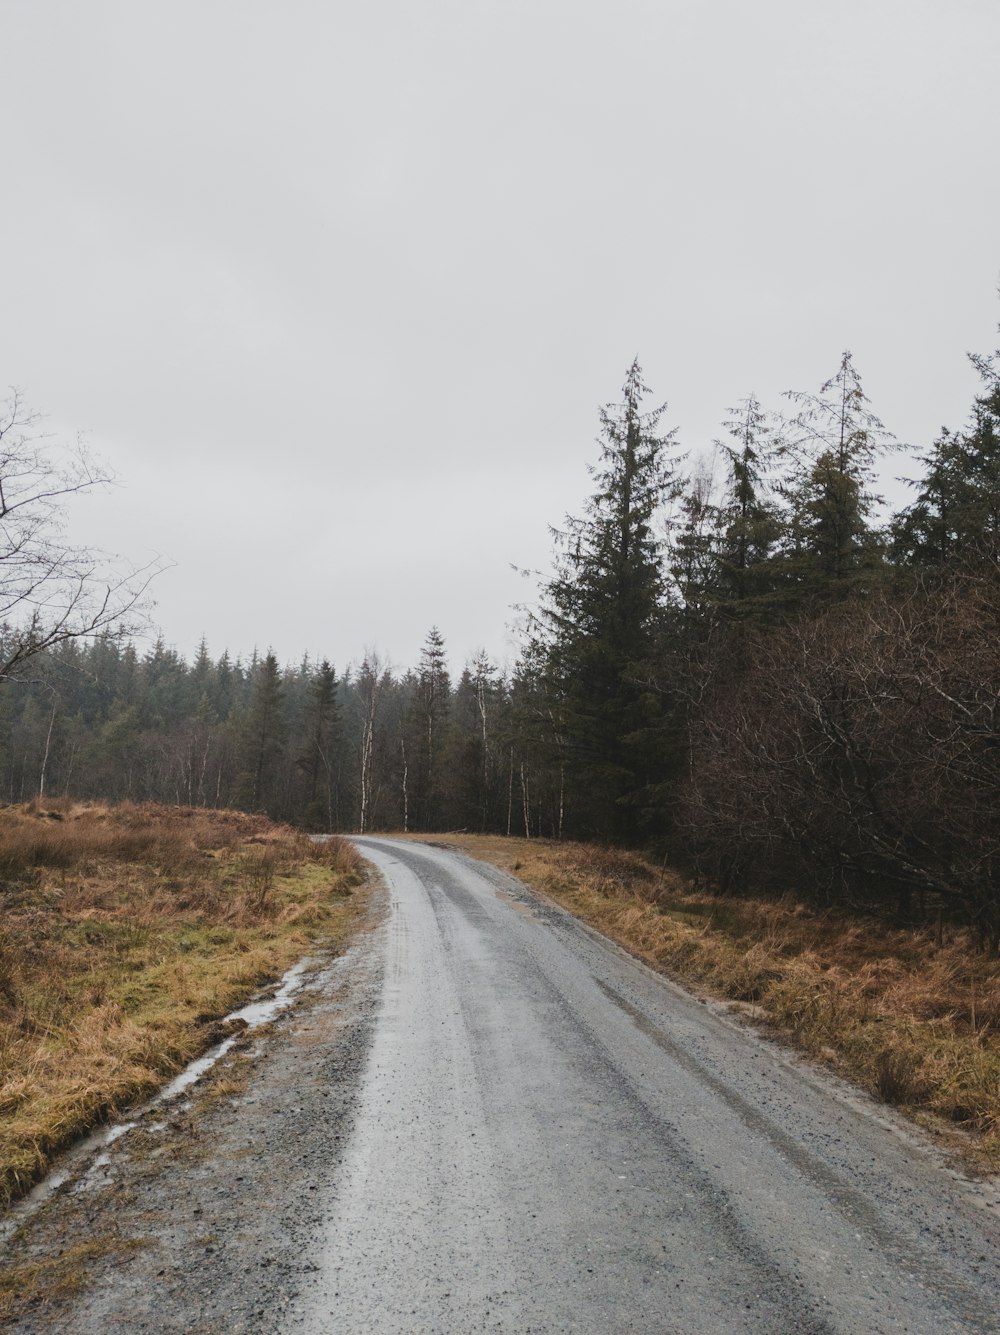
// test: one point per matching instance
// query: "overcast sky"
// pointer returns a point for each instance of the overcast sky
(336, 288)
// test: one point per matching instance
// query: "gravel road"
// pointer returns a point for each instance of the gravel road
(497, 1121)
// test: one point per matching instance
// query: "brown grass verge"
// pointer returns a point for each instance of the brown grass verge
(914, 1020)
(44, 1280)
(124, 933)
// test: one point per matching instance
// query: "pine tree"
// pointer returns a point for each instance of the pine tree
(598, 621)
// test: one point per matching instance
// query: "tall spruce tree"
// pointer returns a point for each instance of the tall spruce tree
(956, 512)
(317, 758)
(694, 555)
(263, 738)
(598, 622)
(833, 548)
(429, 708)
(749, 517)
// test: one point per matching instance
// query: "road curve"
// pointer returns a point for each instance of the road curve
(552, 1138)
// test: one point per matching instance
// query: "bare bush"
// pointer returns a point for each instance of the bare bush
(338, 854)
(856, 756)
(256, 868)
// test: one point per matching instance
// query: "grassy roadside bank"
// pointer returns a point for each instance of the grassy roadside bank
(913, 1020)
(125, 933)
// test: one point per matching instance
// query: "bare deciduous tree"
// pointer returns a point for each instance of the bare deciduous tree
(52, 590)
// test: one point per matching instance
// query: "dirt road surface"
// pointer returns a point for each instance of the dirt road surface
(490, 1119)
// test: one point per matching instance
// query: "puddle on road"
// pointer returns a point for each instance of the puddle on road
(253, 1015)
(526, 910)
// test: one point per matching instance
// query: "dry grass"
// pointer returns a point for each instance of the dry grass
(914, 1020)
(34, 1284)
(124, 932)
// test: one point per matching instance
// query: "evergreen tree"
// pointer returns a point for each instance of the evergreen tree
(833, 548)
(460, 750)
(318, 757)
(936, 526)
(533, 751)
(487, 690)
(263, 736)
(225, 687)
(749, 515)
(956, 513)
(429, 710)
(599, 618)
(695, 550)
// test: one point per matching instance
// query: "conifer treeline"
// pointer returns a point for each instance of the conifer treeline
(778, 685)
(746, 662)
(368, 749)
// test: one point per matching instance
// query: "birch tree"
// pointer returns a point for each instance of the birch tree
(369, 687)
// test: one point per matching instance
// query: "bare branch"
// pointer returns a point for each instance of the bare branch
(50, 589)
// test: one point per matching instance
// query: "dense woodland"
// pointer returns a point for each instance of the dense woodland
(742, 661)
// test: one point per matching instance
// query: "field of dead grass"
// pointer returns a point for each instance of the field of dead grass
(124, 933)
(914, 1019)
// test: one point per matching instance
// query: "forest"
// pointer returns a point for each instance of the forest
(740, 661)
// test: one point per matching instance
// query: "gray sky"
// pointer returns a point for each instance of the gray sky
(337, 288)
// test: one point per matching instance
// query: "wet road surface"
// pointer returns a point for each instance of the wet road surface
(485, 1117)
(549, 1137)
